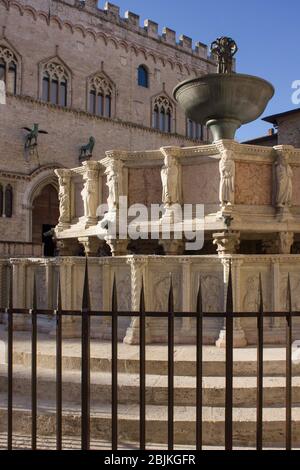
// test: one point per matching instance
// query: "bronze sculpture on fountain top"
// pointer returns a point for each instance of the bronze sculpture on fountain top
(225, 100)
(224, 49)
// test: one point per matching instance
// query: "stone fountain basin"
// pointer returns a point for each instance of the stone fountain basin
(224, 101)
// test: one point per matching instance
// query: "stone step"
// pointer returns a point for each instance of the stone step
(244, 392)
(244, 423)
(245, 359)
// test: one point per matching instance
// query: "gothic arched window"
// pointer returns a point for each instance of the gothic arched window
(194, 130)
(8, 69)
(55, 84)
(162, 114)
(8, 210)
(143, 76)
(100, 93)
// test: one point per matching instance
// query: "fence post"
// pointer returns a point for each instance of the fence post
(260, 369)
(10, 364)
(85, 363)
(114, 367)
(171, 368)
(199, 372)
(34, 367)
(142, 370)
(58, 367)
(289, 339)
(229, 364)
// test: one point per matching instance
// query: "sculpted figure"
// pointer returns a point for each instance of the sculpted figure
(284, 176)
(112, 183)
(89, 196)
(64, 198)
(227, 176)
(251, 298)
(170, 181)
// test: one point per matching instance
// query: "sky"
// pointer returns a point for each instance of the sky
(267, 33)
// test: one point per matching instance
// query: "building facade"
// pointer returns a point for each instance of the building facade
(80, 72)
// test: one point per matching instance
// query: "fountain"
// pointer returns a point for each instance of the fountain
(225, 100)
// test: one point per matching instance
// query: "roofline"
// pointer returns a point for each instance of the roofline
(273, 119)
(262, 138)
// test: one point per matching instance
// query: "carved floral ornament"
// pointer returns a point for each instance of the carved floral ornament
(163, 103)
(101, 84)
(56, 70)
(7, 55)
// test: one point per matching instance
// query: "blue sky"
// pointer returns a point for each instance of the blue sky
(267, 33)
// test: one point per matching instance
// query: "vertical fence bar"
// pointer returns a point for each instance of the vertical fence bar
(34, 368)
(85, 363)
(288, 401)
(171, 368)
(260, 370)
(229, 365)
(114, 368)
(142, 371)
(199, 370)
(10, 366)
(58, 368)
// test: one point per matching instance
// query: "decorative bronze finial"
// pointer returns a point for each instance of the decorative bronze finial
(224, 48)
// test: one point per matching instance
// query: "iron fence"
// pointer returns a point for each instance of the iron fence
(86, 313)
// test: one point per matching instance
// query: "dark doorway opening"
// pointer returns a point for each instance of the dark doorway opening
(45, 215)
(47, 239)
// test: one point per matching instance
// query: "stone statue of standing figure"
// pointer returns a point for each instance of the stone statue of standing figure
(227, 179)
(64, 199)
(170, 181)
(112, 183)
(89, 195)
(64, 195)
(284, 174)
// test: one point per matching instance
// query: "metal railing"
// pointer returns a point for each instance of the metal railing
(86, 314)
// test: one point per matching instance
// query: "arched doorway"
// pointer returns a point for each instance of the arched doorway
(45, 213)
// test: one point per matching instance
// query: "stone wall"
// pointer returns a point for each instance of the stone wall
(85, 42)
(289, 130)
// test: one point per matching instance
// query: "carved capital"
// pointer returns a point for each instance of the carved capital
(91, 245)
(67, 247)
(118, 247)
(227, 242)
(285, 242)
(172, 247)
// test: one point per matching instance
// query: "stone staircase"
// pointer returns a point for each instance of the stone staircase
(244, 394)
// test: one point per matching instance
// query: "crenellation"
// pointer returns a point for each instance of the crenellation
(132, 19)
(112, 10)
(152, 28)
(185, 42)
(90, 3)
(169, 35)
(201, 49)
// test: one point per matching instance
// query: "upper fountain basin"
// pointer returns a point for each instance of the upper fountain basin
(223, 101)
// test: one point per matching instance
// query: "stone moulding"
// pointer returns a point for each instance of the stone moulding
(80, 112)
(155, 271)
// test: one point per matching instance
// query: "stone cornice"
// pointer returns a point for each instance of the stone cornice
(116, 122)
(11, 175)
